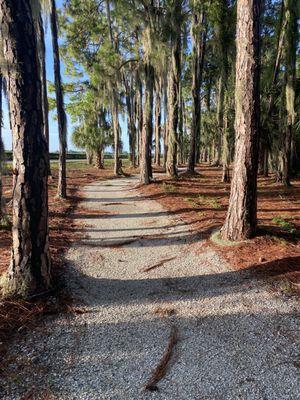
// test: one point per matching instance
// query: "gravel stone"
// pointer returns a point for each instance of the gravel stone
(237, 340)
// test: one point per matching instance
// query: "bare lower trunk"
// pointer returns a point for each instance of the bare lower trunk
(145, 162)
(174, 86)
(89, 157)
(225, 151)
(116, 130)
(291, 36)
(1, 155)
(157, 124)
(100, 158)
(130, 121)
(139, 114)
(241, 217)
(286, 157)
(29, 270)
(61, 115)
(199, 39)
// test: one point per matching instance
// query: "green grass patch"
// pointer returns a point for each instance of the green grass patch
(169, 188)
(286, 225)
(213, 202)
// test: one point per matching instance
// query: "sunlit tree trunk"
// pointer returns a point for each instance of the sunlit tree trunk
(29, 270)
(61, 115)
(241, 217)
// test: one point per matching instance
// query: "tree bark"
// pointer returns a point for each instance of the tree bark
(1, 153)
(61, 115)
(130, 119)
(199, 41)
(157, 124)
(290, 82)
(29, 270)
(100, 158)
(147, 132)
(174, 82)
(241, 220)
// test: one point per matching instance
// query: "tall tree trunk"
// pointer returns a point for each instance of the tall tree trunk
(130, 119)
(42, 63)
(116, 130)
(174, 81)
(1, 154)
(241, 217)
(42, 66)
(147, 132)
(29, 270)
(139, 114)
(166, 118)
(225, 147)
(199, 41)
(290, 7)
(157, 124)
(61, 115)
(99, 155)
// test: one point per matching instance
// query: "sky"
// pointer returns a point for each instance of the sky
(53, 129)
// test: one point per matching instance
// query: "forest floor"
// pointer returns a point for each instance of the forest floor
(19, 315)
(160, 311)
(201, 200)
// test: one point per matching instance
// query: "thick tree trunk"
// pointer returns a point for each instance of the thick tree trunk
(147, 132)
(61, 115)
(241, 217)
(174, 85)
(29, 270)
(199, 41)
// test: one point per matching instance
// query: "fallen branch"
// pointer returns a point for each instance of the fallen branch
(160, 371)
(159, 264)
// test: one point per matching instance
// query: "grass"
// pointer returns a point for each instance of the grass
(282, 222)
(204, 200)
(169, 188)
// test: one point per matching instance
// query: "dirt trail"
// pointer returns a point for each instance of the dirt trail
(137, 275)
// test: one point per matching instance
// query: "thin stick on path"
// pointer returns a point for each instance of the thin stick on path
(159, 264)
(161, 369)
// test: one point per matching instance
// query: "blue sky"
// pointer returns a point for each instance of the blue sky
(6, 134)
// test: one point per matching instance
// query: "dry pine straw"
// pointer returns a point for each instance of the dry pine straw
(201, 200)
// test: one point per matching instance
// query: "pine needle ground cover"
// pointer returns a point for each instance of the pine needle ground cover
(201, 201)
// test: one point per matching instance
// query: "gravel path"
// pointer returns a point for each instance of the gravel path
(236, 340)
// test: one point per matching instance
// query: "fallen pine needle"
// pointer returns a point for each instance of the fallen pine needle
(159, 264)
(160, 371)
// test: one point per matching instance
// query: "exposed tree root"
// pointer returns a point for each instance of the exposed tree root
(159, 264)
(160, 371)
